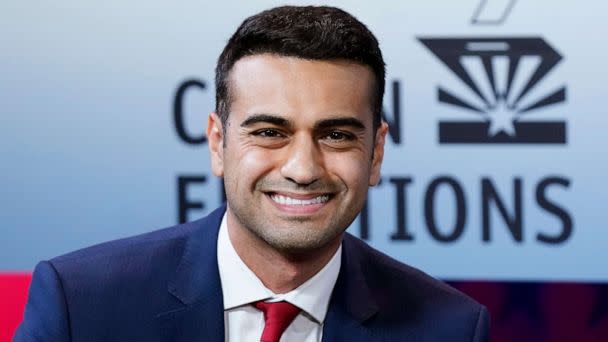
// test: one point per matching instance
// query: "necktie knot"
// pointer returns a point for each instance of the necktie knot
(278, 316)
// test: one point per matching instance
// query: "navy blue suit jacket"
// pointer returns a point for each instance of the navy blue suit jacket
(165, 286)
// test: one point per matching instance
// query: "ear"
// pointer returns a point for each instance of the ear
(374, 176)
(215, 137)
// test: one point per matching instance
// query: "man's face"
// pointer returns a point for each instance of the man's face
(298, 152)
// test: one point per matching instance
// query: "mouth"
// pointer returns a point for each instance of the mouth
(299, 203)
(289, 200)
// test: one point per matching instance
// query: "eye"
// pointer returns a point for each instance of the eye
(339, 136)
(267, 133)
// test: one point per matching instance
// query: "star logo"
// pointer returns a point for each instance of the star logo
(501, 120)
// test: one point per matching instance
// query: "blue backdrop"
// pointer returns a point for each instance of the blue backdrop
(495, 165)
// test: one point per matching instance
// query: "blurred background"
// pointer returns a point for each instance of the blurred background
(494, 174)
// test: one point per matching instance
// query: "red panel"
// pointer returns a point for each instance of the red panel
(13, 295)
(543, 311)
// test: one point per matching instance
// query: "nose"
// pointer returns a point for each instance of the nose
(304, 162)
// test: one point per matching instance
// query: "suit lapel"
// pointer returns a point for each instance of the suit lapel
(200, 314)
(351, 303)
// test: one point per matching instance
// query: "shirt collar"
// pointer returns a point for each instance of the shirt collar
(240, 286)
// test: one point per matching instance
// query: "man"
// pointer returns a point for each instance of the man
(298, 138)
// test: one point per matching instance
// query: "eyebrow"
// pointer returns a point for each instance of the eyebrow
(323, 124)
(345, 121)
(266, 118)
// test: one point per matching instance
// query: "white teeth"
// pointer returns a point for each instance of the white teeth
(294, 201)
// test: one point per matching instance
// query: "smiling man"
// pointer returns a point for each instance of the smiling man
(298, 138)
(297, 156)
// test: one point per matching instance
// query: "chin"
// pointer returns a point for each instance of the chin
(302, 242)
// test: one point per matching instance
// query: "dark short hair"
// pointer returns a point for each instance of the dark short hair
(316, 33)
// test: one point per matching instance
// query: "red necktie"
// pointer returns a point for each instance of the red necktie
(277, 316)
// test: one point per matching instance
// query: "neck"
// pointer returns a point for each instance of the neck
(279, 271)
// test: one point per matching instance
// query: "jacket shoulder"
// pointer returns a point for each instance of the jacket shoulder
(120, 266)
(379, 267)
(129, 245)
(166, 240)
(411, 299)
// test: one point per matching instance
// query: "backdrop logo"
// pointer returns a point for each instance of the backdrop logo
(502, 90)
(492, 12)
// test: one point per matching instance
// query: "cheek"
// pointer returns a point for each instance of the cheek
(249, 164)
(352, 170)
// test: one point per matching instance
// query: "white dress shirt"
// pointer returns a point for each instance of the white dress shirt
(241, 287)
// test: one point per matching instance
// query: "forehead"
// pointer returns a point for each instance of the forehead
(292, 86)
